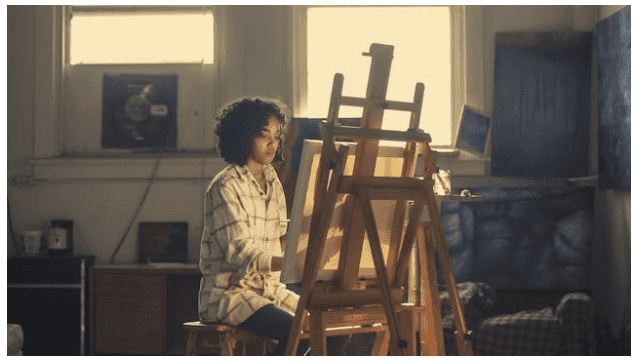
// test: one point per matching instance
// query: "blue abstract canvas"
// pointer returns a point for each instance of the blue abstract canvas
(541, 108)
(612, 45)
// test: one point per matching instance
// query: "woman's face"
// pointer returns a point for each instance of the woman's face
(264, 147)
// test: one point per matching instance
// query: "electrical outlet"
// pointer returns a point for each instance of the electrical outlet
(24, 180)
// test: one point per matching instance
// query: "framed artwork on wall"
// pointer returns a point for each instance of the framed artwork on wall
(612, 45)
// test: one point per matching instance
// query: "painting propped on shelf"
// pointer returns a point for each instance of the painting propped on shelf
(473, 132)
(612, 45)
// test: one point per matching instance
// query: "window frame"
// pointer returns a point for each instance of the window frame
(49, 67)
(458, 59)
(50, 76)
(67, 71)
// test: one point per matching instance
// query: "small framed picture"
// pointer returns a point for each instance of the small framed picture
(473, 131)
(160, 242)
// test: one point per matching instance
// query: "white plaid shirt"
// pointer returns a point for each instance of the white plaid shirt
(242, 230)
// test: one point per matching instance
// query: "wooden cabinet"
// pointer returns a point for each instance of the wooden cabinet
(139, 309)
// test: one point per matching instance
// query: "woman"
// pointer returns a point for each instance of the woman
(245, 224)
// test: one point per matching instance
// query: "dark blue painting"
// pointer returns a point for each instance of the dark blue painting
(541, 109)
(473, 131)
(612, 44)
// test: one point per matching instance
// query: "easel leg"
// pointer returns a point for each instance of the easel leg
(381, 343)
(432, 339)
(318, 233)
(395, 342)
(407, 328)
(461, 333)
(318, 337)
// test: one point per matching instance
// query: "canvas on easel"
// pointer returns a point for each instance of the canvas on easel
(388, 164)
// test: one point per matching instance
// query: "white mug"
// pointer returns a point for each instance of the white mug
(32, 241)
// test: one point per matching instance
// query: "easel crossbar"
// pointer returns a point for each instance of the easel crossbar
(371, 133)
(385, 188)
(378, 103)
(338, 299)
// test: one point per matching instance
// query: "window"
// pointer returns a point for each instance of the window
(141, 42)
(422, 40)
(140, 34)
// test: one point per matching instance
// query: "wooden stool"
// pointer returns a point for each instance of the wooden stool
(225, 337)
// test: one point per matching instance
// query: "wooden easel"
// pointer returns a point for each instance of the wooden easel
(347, 304)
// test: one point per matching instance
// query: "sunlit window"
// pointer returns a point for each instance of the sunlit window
(138, 37)
(338, 36)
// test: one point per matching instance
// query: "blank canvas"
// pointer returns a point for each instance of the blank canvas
(389, 163)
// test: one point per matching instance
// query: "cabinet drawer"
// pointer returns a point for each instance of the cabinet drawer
(122, 285)
(126, 327)
(114, 303)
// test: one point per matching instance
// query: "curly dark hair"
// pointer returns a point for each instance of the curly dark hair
(241, 121)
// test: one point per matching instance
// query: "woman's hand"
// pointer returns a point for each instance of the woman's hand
(277, 262)
(283, 240)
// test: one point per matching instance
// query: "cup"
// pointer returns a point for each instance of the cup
(32, 241)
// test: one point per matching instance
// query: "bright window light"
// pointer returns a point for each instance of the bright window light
(136, 38)
(421, 36)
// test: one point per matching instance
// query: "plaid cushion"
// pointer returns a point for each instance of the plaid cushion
(524, 333)
(476, 298)
(576, 312)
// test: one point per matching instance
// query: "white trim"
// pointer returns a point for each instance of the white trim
(47, 132)
(126, 168)
(299, 55)
(197, 167)
(458, 69)
(146, 9)
(474, 56)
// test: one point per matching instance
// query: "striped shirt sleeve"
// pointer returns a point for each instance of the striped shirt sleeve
(230, 228)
